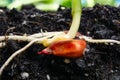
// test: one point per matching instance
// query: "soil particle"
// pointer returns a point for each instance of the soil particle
(100, 62)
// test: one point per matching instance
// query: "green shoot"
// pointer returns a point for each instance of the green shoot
(76, 13)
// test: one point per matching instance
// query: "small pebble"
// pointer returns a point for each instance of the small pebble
(1, 10)
(80, 63)
(24, 75)
(67, 61)
(52, 61)
(86, 74)
(111, 71)
(48, 77)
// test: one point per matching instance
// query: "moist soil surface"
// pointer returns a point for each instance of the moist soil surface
(100, 62)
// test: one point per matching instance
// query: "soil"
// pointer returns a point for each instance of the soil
(100, 62)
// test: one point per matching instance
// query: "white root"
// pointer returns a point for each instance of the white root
(18, 38)
(14, 37)
(89, 39)
(43, 34)
(30, 37)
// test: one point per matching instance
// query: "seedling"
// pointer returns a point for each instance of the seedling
(72, 48)
(45, 38)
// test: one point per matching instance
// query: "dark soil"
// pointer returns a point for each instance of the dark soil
(100, 62)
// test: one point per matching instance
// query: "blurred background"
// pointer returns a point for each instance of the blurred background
(54, 4)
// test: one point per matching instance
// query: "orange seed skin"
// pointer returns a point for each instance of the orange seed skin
(68, 48)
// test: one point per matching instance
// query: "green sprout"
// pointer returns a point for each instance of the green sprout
(76, 13)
